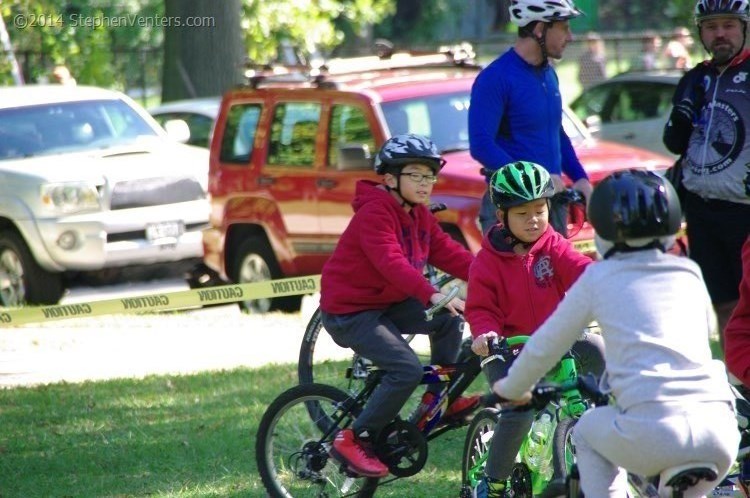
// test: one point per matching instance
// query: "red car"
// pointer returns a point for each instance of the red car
(288, 149)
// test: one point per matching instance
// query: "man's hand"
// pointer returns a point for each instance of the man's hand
(584, 187)
(686, 111)
(558, 183)
(480, 345)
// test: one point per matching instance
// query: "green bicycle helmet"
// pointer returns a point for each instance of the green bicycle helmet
(518, 183)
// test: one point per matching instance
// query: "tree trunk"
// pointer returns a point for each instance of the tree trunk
(205, 57)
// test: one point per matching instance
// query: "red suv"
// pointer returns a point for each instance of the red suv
(288, 149)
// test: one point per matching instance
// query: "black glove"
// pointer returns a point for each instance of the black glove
(679, 127)
(685, 112)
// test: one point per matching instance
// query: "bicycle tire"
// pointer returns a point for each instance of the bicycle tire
(291, 457)
(477, 444)
(563, 450)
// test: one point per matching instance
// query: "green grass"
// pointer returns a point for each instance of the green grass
(163, 436)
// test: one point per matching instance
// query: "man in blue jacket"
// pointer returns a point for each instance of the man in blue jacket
(516, 107)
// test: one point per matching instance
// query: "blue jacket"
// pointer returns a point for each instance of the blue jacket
(516, 114)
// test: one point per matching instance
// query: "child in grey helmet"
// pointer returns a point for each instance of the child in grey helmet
(673, 404)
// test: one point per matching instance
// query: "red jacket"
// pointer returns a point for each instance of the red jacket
(737, 332)
(512, 294)
(380, 258)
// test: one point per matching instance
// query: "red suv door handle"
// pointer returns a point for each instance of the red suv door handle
(266, 180)
(326, 183)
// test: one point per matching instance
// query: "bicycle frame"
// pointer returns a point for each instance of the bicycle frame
(570, 405)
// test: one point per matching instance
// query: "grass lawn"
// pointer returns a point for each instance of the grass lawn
(167, 436)
(163, 436)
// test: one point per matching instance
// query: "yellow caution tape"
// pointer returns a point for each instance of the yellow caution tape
(165, 301)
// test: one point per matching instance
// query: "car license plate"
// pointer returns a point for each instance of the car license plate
(164, 230)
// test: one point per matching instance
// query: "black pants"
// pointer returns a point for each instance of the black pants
(377, 335)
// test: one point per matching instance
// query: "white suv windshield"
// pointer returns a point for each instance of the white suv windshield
(68, 127)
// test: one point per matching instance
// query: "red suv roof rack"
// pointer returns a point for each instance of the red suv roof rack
(461, 55)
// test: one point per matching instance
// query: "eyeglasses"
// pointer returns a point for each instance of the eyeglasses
(419, 177)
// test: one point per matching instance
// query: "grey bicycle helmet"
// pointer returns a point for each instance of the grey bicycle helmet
(400, 150)
(634, 205)
(524, 12)
(518, 183)
(709, 9)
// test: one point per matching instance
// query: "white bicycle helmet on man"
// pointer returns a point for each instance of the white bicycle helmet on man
(526, 13)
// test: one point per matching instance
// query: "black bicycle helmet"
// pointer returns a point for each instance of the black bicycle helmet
(634, 204)
(518, 183)
(400, 150)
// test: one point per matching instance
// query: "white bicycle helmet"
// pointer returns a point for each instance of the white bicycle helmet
(524, 12)
(709, 9)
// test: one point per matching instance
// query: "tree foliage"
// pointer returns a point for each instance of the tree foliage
(311, 26)
(130, 55)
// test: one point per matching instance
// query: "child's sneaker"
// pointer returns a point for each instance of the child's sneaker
(461, 407)
(357, 455)
(491, 488)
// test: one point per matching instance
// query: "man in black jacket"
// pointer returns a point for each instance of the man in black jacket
(708, 128)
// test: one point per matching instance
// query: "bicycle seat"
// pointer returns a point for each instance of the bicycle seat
(682, 477)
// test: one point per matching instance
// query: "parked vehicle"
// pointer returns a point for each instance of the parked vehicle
(630, 108)
(90, 182)
(198, 116)
(288, 150)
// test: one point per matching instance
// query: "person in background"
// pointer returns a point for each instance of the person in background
(677, 50)
(61, 75)
(516, 106)
(709, 128)
(649, 57)
(373, 290)
(592, 64)
(672, 400)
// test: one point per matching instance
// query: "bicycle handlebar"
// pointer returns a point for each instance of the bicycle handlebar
(430, 312)
(568, 196)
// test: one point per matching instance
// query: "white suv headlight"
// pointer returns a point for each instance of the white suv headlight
(70, 197)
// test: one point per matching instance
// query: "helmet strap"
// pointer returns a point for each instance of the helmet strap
(542, 41)
(397, 190)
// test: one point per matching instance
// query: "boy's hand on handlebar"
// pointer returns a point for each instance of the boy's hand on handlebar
(499, 389)
(480, 346)
(455, 306)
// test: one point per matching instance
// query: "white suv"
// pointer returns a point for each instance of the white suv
(88, 181)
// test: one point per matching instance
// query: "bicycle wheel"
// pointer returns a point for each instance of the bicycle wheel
(292, 454)
(563, 450)
(323, 361)
(476, 445)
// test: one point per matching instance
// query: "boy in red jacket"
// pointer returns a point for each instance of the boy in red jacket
(373, 290)
(737, 333)
(520, 275)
